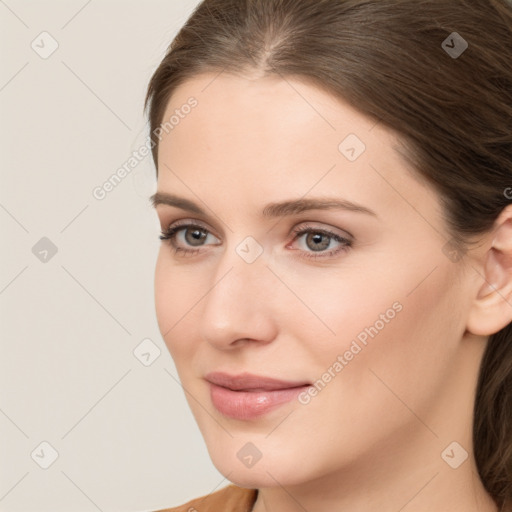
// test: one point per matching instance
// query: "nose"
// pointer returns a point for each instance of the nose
(238, 308)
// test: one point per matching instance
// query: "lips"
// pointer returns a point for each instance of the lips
(250, 382)
(248, 397)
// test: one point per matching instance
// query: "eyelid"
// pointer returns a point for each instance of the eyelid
(303, 224)
(306, 225)
(177, 220)
(188, 223)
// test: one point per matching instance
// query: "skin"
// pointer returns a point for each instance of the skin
(372, 439)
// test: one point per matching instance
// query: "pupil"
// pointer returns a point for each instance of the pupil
(196, 236)
(317, 238)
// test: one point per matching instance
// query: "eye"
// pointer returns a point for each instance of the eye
(319, 240)
(193, 235)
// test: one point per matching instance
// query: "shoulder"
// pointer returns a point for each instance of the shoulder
(229, 499)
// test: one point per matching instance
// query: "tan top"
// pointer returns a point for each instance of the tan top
(229, 499)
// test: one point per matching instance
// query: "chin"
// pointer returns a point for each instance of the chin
(250, 480)
(269, 473)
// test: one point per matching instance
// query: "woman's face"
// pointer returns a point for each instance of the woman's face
(368, 303)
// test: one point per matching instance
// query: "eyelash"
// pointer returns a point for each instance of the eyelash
(169, 236)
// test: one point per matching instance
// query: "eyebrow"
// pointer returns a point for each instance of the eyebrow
(271, 210)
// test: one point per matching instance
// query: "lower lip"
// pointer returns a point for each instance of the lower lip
(246, 405)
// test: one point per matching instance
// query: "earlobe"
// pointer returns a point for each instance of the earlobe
(491, 310)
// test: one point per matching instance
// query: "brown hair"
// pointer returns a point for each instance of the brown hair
(392, 60)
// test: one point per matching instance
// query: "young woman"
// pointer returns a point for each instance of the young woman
(334, 282)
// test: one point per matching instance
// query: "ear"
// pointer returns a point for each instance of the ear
(491, 310)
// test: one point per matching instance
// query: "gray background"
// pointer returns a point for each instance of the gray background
(71, 321)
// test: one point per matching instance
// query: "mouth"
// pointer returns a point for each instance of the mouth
(247, 397)
(251, 382)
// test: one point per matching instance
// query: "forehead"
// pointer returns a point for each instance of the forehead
(253, 111)
(273, 138)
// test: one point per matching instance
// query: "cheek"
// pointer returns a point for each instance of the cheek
(175, 296)
(164, 297)
(392, 341)
(404, 361)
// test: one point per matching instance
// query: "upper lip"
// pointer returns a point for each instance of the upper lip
(249, 381)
